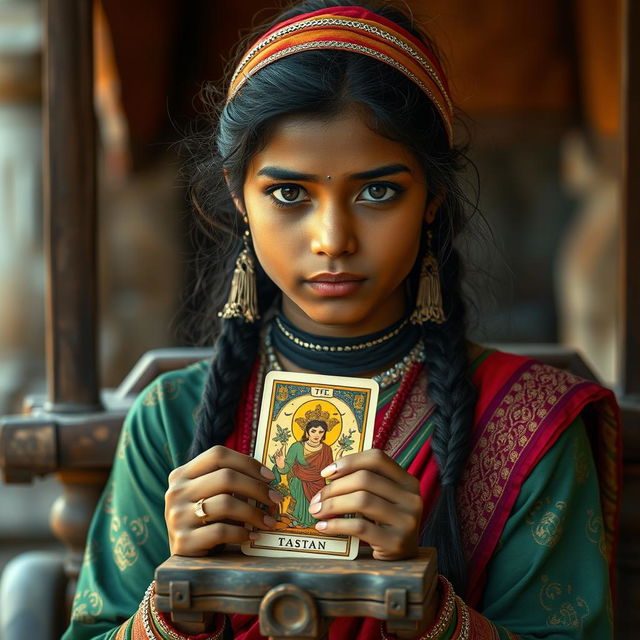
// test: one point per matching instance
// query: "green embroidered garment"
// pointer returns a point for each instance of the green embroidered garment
(547, 577)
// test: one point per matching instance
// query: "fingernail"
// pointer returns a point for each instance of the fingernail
(270, 522)
(322, 525)
(267, 473)
(315, 498)
(327, 471)
(314, 508)
(253, 535)
(275, 496)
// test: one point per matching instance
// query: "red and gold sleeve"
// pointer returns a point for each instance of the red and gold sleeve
(150, 624)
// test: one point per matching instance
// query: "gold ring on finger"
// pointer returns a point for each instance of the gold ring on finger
(200, 512)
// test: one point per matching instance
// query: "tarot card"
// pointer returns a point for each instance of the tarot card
(308, 421)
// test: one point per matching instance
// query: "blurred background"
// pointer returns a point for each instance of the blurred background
(538, 82)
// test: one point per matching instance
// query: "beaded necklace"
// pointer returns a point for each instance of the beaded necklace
(384, 379)
(346, 356)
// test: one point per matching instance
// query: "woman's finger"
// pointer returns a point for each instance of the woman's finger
(232, 482)
(220, 457)
(373, 460)
(368, 505)
(226, 507)
(365, 480)
(386, 544)
(207, 537)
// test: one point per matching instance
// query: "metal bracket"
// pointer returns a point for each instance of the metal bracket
(395, 601)
(28, 447)
(180, 594)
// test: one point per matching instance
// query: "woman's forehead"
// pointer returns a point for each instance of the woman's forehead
(340, 145)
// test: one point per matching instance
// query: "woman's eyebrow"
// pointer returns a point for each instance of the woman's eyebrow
(280, 173)
(379, 172)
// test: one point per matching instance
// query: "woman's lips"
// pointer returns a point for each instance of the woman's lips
(332, 285)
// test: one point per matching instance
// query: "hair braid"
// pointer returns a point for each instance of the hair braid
(454, 395)
(234, 354)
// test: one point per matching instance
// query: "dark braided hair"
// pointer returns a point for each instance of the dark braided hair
(325, 83)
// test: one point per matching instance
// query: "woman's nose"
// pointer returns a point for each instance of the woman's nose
(333, 233)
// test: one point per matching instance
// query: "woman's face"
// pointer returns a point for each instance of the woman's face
(335, 212)
(315, 435)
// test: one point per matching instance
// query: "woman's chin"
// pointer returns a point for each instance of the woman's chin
(335, 316)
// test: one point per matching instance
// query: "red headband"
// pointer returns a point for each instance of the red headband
(351, 29)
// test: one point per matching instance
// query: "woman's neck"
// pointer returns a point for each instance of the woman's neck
(351, 325)
(288, 365)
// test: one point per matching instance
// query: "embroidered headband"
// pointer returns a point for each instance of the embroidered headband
(351, 29)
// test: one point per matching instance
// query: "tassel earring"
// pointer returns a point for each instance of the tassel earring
(429, 299)
(243, 296)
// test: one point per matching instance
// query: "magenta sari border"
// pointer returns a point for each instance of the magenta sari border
(421, 409)
(416, 430)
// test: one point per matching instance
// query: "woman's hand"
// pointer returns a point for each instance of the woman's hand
(372, 485)
(225, 479)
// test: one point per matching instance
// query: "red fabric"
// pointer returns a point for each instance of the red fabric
(312, 482)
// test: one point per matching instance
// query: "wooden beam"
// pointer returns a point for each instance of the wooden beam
(70, 208)
(630, 334)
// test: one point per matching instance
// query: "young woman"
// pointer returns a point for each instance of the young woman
(332, 181)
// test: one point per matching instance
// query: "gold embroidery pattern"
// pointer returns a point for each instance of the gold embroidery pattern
(581, 457)
(87, 605)
(91, 552)
(107, 506)
(165, 390)
(415, 411)
(547, 528)
(125, 440)
(595, 532)
(126, 538)
(566, 610)
(509, 430)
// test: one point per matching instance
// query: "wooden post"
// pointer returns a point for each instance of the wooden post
(628, 612)
(630, 378)
(70, 208)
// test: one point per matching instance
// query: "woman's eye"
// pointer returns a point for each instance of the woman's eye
(288, 194)
(378, 193)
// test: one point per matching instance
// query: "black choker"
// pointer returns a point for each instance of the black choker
(343, 356)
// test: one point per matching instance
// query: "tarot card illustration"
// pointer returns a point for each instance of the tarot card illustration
(308, 421)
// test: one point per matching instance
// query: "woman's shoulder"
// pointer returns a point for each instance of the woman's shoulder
(493, 369)
(520, 392)
(167, 409)
(174, 388)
